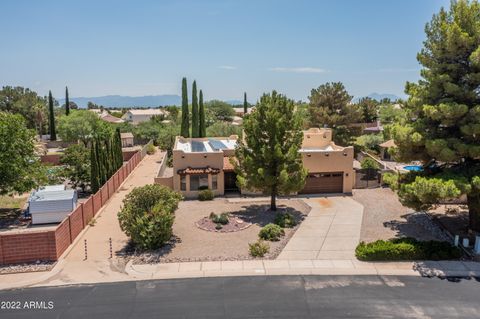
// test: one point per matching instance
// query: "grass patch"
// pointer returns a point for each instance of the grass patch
(406, 249)
(10, 209)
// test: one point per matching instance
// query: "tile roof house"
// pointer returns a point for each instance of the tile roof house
(200, 163)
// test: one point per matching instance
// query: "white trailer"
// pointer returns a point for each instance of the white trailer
(51, 206)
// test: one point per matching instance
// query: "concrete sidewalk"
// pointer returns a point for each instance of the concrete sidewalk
(302, 267)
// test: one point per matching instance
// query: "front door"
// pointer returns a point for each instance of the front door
(230, 182)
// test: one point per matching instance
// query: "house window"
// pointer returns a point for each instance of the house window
(214, 182)
(198, 181)
(183, 183)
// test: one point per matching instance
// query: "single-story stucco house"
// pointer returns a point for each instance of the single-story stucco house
(200, 163)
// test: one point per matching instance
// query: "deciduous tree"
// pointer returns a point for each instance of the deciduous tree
(19, 166)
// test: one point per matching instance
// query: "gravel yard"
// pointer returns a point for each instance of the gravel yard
(384, 217)
(195, 244)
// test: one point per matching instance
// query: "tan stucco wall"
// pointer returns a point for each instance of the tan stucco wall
(182, 160)
(316, 137)
(336, 161)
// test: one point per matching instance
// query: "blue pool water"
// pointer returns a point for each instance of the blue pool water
(416, 168)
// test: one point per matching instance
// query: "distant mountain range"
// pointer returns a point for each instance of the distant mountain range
(127, 101)
(167, 99)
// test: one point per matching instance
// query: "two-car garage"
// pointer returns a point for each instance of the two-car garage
(327, 182)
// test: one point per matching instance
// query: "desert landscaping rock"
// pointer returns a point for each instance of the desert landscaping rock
(234, 224)
(195, 244)
(30, 267)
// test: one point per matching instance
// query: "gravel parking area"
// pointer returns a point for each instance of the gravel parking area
(195, 244)
(385, 217)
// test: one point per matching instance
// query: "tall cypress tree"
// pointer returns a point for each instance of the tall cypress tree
(119, 154)
(195, 123)
(67, 102)
(202, 128)
(53, 134)
(185, 127)
(245, 103)
(94, 173)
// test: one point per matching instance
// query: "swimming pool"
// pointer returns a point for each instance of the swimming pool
(416, 168)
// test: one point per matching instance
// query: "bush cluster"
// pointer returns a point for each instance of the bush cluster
(147, 215)
(285, 220)
(219, 219)
(151, 149)
(271, 232)
(406, 249)
(205, 194)
(259, 248)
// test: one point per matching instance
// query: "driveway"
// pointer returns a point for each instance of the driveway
(330, 231)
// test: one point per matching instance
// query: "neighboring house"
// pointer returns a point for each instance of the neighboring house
(136, 116)
(368, 128)
(107, 117)
(239, 111)
(206, 163)
(127, 139)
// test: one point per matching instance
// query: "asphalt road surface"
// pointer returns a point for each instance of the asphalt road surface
(252, 297)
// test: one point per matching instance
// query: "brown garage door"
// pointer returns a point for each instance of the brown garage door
(323, 183)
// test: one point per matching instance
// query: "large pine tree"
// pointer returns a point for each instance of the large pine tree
(445, 108)
(67, 102)
(51, 117)
(203, 127)
(185, 127)
(195, 119)
(269, 158)
(330, 105)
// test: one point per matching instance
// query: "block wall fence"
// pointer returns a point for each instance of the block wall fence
(30, 246)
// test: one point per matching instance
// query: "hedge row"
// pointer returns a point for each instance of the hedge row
(406, 249)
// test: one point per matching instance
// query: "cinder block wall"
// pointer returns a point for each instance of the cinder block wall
(30, 246)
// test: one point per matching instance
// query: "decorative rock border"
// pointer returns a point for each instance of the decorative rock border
(234, 224)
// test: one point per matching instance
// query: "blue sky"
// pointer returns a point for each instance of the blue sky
(145, 47)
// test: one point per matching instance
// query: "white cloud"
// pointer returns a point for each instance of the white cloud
(298, 70)
(227, 67)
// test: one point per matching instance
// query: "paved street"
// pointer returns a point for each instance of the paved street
(257, 297)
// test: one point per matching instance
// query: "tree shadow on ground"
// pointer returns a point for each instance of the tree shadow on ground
(260, 214)
(152, 256)
(416, 225)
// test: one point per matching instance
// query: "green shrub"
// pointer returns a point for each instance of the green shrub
(259, 248)
(221, 219)
(271, 232)
(369, 163)
(406, 249)
(390, 179)
(151, 149)
(147, 215)
(205, 194)
(285, 220)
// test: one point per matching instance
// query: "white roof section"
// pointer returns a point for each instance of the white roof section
(328, 148)
(45, 196)
(147, 111)
(205, 146)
